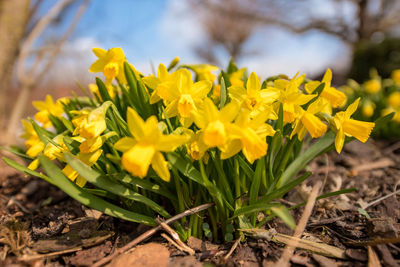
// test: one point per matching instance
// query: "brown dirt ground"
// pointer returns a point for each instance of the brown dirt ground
(37, 218)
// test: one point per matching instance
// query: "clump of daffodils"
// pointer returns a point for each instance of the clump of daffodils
(140, 146)
(379, 97)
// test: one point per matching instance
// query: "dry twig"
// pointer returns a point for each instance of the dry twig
(182, 246)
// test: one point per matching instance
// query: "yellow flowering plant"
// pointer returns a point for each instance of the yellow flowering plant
(145, 146)
(378, 98)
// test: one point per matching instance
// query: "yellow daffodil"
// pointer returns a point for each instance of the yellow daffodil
(187, 98)
(145, 148)
(204, 71)
(394, 99)
(215, 124)
(253, 98)
(89, 159)
(94, 124)
(307, 121)
(290, 97)
(56, 152)
(396, 76)
(46, 108)
(195, 147)
(248, 135)
(236, 78)
(345, 126)
(396, 111)
(33, 143)
(372, 86)
(368, 108)
(216, 92)
(110, 62)
(333, 96)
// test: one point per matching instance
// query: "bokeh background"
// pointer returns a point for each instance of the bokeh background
(46, 44)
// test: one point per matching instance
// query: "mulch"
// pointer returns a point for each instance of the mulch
(42, 226)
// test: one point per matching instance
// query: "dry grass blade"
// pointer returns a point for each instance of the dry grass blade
(293, 242)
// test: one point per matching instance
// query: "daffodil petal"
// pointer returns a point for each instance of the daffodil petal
(135, 124)
(124, 144)
(160, 166)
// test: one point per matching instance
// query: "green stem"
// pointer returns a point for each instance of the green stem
(178, 187)
(221, 174)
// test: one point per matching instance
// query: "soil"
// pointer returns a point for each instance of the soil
(41, 226)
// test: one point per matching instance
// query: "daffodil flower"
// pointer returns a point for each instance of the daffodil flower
(249, 136)
(333, 96)
(394, 100)
(372, 86)
(33, 143)
(46, 108)
(307, 121)
(253, 98)
(368, 108)
(52, 151)
(187, 98)
(163, 84)
(204, 71)
(195, 147)
(110, 62)
(94, 124)
(145, 148)
(396, 76)
(290, 97)
(215, 124)
(236, 78)
(345, 126)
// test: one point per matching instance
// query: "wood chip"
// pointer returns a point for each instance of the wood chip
(149, 255)
(373, 260)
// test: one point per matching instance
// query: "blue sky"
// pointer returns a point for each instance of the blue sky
(159, 30)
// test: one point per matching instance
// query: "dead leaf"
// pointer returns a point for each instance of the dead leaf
(149, 255)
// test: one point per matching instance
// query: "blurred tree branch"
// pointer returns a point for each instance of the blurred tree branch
(230, 23)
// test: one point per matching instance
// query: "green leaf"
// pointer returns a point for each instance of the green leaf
(255, 185)
(24, 169)
(283, 213)
(42, 133)
(383, 121)
(279, 192)
(223, 94)
(185, 167)
(16, 151)
(94, 202)
(302, 160)
(364, 212)
(245, 167)
(252, 209)
(142, 183)
(114, 187)
(105, 96)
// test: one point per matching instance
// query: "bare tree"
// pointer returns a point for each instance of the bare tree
(12, 31)
(31, 62)
(231, 23)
